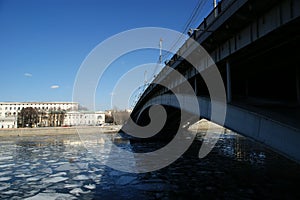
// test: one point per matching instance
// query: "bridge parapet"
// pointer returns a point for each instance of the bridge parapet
(253, 44)
(237, 25)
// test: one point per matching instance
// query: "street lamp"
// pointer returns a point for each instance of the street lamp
(192, 30)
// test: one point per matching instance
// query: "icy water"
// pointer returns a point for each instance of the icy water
(60, 167)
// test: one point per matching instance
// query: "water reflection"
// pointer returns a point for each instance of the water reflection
(60, 167)
(241, 149)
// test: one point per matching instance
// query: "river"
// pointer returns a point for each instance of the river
(60, 167)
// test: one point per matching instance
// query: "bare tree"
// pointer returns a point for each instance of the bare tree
(120, 117)
(28, 117)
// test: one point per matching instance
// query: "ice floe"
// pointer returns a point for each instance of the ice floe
(51, 196)
(46, 170)
(5, 172)
(6, 158)
(72, 185)
(81, 178)
(54, 179)
(23, 175)
(7, 165)
(58, 174)
(51, 161)
(72, 166)
(5, 186)
(90, 186)
(36, 178)
(5, 178)
(78, 191)
(10, 192)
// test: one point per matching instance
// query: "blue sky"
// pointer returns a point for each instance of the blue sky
(44, 42)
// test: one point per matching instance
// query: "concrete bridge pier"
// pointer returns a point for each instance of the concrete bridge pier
(176, 119)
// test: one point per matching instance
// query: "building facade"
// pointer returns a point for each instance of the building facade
(84, 118)
(14, 115)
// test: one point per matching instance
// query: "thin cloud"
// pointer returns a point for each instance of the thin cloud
(54, 86)
(28, 75)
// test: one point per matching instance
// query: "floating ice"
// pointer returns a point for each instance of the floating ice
(26, 163)
(5, 178)
(51, 161)
(50, 196)
(32, 192)
(90, 186)
(78, 191)
(82, 165)
(71, 185)
(6, 158)
(55, 180)
(49, 191)
(7, 165)
(10, 192)
(5, 172)
(58, 174)
(46, 170)
(66, 167)
(81, 178)
(61, 163)
(23, 175)
(34, 178)
(5, 186)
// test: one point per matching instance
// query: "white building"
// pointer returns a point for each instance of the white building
(84, 118)
(8, 122)
(9, 110)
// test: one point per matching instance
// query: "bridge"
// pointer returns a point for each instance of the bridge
(254, 48)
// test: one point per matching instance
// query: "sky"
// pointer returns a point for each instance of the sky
(43, 43)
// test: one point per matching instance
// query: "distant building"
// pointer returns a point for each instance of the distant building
(84, 118)
(47, 113)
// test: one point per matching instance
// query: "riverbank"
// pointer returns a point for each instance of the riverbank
(201, 126)
(19, 132)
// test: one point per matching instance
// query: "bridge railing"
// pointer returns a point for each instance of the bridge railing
(203, 28)
(212, 16)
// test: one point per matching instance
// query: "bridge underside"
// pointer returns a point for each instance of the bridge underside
(175, 119)
(256, 54)
(280, 137)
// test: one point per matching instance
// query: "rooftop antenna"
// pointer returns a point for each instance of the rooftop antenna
(215, 3)
(145, 77)
(160, 51)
